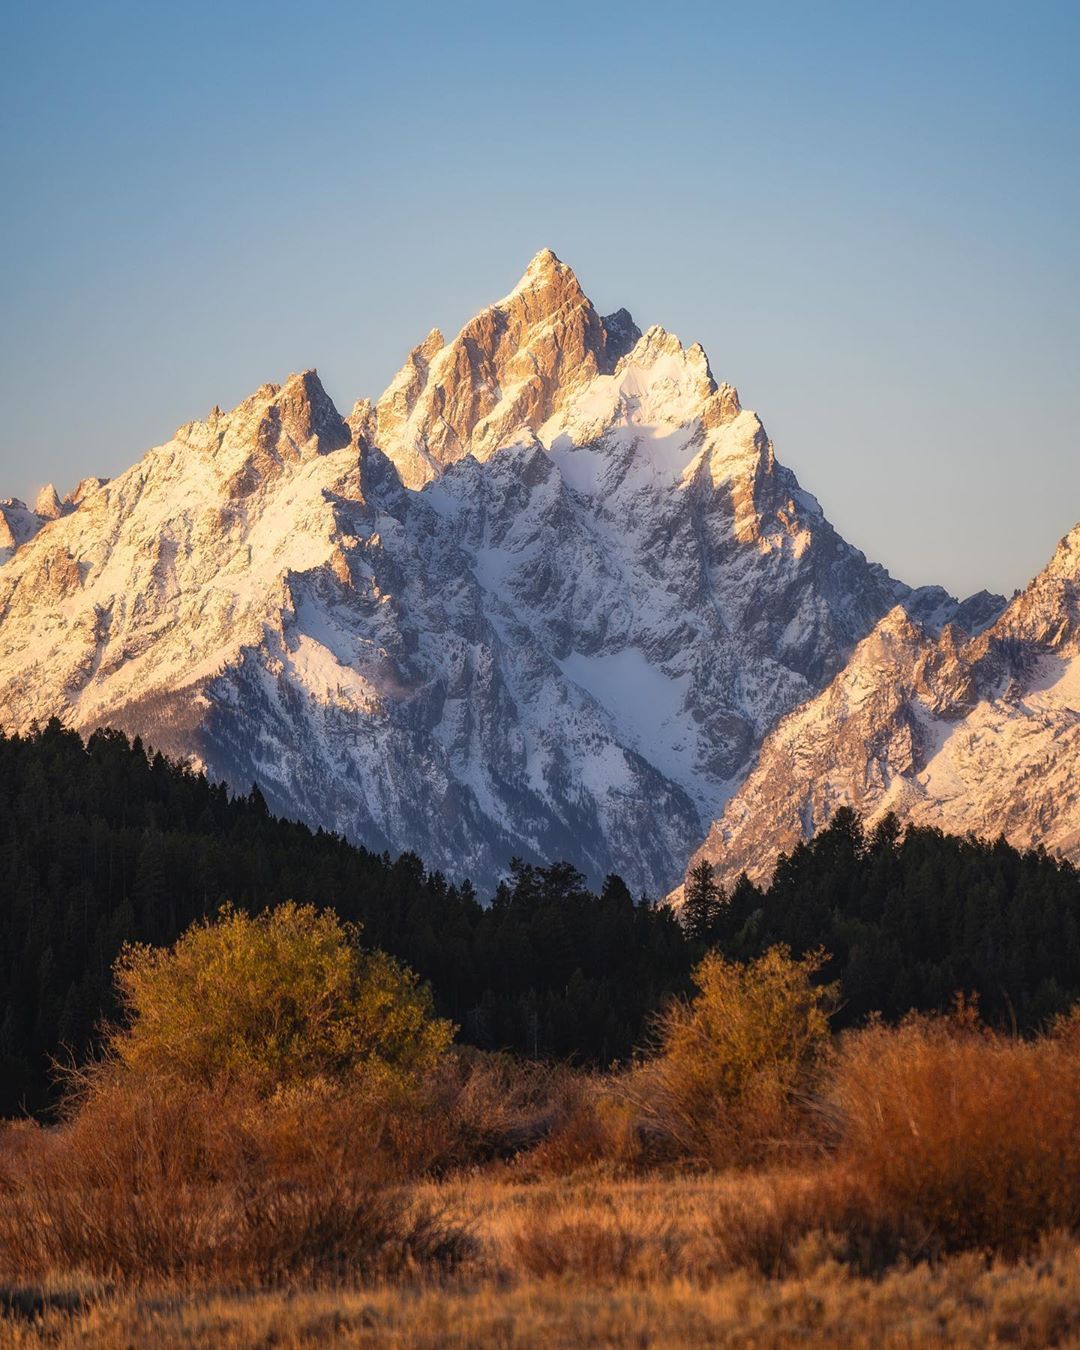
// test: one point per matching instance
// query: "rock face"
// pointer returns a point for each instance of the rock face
(508, 370)
(48, 504)
(18, 525)
(545, 597)
(966, 733)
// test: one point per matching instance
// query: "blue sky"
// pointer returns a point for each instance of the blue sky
(868, 215)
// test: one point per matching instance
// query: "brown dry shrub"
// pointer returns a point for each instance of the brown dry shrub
(791, 1218)
(19, 1139)
(598, 1248)
(238, 1122)
(596, 1128)
(147, 1181)
(971, 1135)
(478, 1108)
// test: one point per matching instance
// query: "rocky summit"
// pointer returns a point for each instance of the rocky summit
(545, 597)
(971, 734)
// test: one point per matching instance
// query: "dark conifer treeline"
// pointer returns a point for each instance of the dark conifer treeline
(912, 917)
(102, 843)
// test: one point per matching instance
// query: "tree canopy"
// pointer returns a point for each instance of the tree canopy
(103, 843)
(277, 1000)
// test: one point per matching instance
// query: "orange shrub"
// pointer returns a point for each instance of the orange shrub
(973, 1135)
(148, 1180)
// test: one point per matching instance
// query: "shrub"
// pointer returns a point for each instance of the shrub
(149, 1181)
(595, 1126)
(598, 1250)
(729, 1082)
(237, 1124)
(480, 1107)
(822, 1212)
(283, 998)
(972, 1135)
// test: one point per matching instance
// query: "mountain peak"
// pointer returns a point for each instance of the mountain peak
(622, 333)
(277, 423)
(48, 504)
(509, 368)
(549, 277)
(300, 419)
(18, 525)
(545, 263)
(1047, 611)
(86, 487)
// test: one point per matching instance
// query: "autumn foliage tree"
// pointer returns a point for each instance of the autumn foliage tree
(734, 1061)
(279, 1000)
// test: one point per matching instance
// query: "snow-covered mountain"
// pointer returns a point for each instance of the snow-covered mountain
(19, 522)
(977, 734)
(544, 597)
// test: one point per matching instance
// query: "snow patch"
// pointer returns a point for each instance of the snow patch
(646, 705)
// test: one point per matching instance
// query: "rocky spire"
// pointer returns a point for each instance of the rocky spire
(622, 333)
(507, 371)
(301, 418)
(396, 405)
(289, 421)
(48, 504)
(18, 525)
(544, 268)
(86, 487)
(1047, 611)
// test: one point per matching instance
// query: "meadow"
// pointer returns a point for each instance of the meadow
(754, 1179)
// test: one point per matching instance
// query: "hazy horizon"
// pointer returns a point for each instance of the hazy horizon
(867, 220)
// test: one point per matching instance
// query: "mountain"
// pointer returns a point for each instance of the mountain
(544, 597)
(510, 369)
(971, 734)
(20, 523)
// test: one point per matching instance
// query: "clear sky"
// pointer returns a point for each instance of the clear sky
(869, 215)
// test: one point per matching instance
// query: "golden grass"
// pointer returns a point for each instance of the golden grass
(958, 1304)
(659, 1290)
(933, 1198)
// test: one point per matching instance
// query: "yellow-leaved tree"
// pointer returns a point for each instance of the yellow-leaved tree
(729, 1083)
(279, 1000)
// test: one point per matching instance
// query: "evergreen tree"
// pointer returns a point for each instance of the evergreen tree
(103, 843)
(701, 906)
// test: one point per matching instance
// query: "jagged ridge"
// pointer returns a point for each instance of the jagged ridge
(545, 596)
(972, 734)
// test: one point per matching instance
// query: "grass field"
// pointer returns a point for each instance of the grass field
(757, 1182)
(593, 1262)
